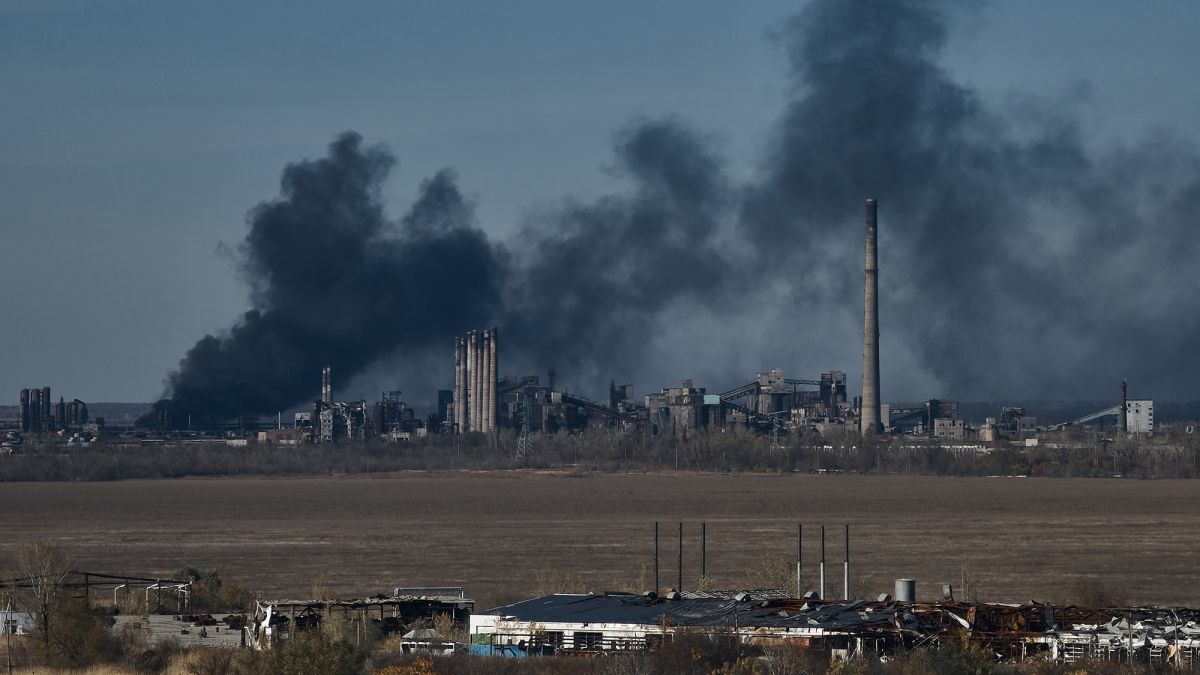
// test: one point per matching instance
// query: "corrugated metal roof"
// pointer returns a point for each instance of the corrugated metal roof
(754, 593)
(835, 616)
(636, 609)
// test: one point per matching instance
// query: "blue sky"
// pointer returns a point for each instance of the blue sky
(135, 135)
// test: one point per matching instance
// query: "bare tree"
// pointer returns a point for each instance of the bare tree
(45, 568)
(7, 600)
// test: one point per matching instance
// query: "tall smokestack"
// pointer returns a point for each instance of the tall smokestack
(45, 414)
(485, 400)
(470, 417)
(460, 389)
(35, 410)
(23, 418)
(477, 421)
(493, 401)
(869, 421)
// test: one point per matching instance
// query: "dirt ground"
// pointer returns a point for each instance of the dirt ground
(508, 535)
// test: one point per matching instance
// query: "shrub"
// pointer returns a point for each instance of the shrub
(308, 653)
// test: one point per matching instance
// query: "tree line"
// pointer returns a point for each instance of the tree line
(1078, 454)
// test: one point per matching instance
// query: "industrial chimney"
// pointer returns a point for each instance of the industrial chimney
(869, 421)
(1123, 414)
(493, 401)
(472, 417)
(458, 418)
(489, 388)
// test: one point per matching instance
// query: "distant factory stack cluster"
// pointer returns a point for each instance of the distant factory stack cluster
(475, 368)
(33, 411)
(38, 415)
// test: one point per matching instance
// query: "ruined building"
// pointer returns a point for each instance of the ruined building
(393, 418)
(335, 420)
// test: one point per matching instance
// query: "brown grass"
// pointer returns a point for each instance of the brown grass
(507, 535)
(103, 669)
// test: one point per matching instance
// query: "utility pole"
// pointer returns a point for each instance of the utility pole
(8, 636)
(846, 567)
(822, 562)
(799, 553)
(657, 588)
(679, 585)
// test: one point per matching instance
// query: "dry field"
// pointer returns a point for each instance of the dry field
(505, 535)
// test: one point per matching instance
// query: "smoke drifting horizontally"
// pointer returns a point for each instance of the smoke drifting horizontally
(1015, 259)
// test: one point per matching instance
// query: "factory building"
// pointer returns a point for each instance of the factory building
(776, 402)
(335, 420)
(523, 401)
(393, 418)
(342, 420)
(949, 429)
(1134, 416)
(1013, 424)
(77, 415)
(621, 398)
(924, 418)
(833, 389)
(773, 402)
(331, 421)
(683, 410)
(475, 367)
(445, 406)
(772, 394)
(1139, 416)
(38, 414)
(550, 411)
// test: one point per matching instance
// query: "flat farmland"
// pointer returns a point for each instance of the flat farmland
(506, 535)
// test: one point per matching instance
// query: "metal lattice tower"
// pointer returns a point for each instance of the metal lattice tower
(524, 442)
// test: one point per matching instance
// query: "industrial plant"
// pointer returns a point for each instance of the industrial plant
(481, 401)
(38, 416)
(35, 413)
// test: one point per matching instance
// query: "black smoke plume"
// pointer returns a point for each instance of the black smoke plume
(1017, 259)
(334, 282)
(598, 276)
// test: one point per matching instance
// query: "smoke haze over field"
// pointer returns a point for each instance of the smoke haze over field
(1016, 259)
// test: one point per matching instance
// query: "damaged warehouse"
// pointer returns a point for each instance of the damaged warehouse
(617, 622)
(397, 614)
